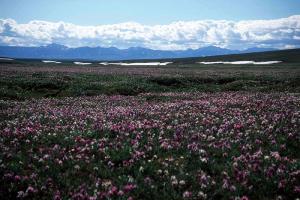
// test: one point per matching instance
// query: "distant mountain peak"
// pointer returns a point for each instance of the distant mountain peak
(58, 51)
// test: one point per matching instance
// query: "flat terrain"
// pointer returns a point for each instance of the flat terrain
(181, 131)
(20, 80)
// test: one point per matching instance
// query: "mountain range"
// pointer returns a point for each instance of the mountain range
(56, 51)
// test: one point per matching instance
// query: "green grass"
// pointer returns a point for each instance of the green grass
(36, 85)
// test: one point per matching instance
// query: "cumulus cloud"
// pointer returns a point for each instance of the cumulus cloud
(278, 33)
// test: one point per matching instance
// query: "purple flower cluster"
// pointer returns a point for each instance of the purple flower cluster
(228, 145)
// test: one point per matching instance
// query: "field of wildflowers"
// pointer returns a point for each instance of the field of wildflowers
(177, 145)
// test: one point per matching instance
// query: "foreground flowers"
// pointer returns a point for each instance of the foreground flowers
(166, 146)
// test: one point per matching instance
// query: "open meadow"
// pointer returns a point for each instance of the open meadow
(149, 100)
(181, 131)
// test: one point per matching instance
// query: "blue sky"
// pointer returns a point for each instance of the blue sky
(95, 12)
(155, 24)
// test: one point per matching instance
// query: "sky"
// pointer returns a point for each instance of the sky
(156, 24)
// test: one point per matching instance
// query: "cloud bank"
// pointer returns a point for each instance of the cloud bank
(277, 33)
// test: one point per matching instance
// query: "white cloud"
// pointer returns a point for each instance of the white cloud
(278, 33)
